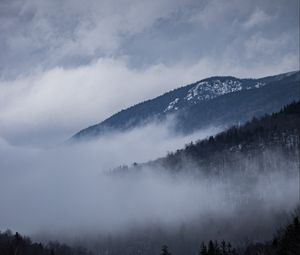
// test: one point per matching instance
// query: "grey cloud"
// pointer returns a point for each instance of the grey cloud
(51, 32)
(43, 34)
(257, 18)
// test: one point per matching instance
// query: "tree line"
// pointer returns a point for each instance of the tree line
(285, 242)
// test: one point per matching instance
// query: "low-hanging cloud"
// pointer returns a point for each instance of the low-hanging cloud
(67, 190)
(67, 186)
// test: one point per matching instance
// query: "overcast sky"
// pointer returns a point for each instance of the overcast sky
(67, 64)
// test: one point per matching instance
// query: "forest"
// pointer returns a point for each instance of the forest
(285, 242)
(278, 131)
(260, 138)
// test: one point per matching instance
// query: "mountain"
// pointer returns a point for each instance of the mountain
(217, 100)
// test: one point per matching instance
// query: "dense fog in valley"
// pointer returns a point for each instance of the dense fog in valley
(70, 192)
(52, 186)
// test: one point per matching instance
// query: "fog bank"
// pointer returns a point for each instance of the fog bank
(66, 191)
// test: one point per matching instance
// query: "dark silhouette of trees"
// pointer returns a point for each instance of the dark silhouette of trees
(286, 242)
(20, 245)
(289, 241)
(165, 250)
(203, 249)
(214, 248)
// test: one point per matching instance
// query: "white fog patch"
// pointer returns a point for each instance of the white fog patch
(65, 185)
(67, 189)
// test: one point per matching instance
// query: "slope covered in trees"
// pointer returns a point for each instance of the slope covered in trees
(235, 148)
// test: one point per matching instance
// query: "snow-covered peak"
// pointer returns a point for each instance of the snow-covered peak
(206, 90)
(209, 89)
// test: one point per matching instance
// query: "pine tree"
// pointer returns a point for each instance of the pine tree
(289, 243)
(223, 248)
(211, 248)
(203, 250)
(165, 250)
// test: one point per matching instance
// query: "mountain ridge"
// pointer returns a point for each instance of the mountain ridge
(182, 99)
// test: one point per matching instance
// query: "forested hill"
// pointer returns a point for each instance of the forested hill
(239, 145)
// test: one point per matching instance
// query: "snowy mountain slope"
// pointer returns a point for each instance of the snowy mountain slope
(212, 88)
(216, 95)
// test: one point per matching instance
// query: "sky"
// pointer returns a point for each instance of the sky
(68, 64)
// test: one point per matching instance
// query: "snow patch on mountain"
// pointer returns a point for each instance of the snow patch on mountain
(207, 90)
(172, 105)
(259, 84)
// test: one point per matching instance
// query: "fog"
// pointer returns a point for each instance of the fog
(50, 187)
(67, 190)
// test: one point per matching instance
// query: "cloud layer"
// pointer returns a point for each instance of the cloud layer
(66, 190)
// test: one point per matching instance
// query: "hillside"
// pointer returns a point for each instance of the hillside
(214, 101)
(258, 145)
(279, 131)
